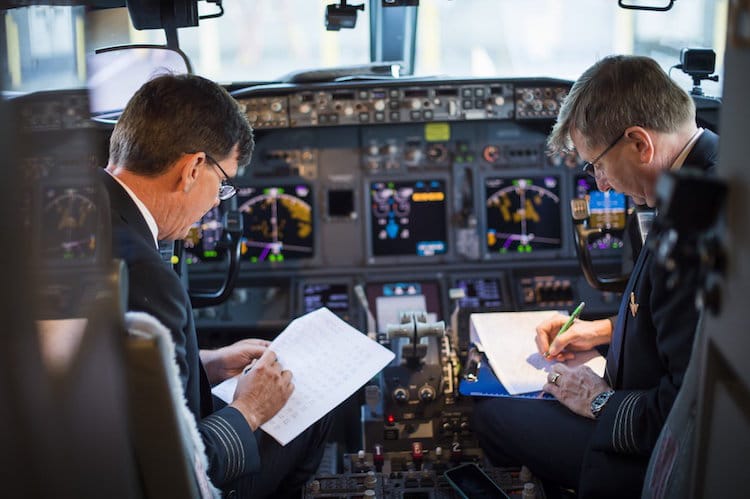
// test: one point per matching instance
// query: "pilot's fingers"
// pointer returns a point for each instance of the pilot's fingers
(253, 341)
(545, 333)
(254, 351)
(542, 342)
(548, 328)
(269, 360)
(563, 356)
(286, 381)
(257, 341)
(561, 341)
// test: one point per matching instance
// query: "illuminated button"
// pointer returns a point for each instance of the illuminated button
(427, 114)
(378, 459)
(467, 104)
(364, 117)
(394, 104)
(379, 116)
(466, 92)
(393, 93)
(479, 92)
(479, 103)
(416, 450)
(395, 116)
(415, 115)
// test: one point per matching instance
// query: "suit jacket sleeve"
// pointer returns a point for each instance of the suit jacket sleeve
(231, 447)
(632, 419)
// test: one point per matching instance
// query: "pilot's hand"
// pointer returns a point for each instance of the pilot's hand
(575, 387)
(263, 390)
(230, 360)
(581, 336)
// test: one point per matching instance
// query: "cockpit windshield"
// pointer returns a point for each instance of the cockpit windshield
(262, 41)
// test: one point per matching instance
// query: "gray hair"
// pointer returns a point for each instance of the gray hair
(616, 93)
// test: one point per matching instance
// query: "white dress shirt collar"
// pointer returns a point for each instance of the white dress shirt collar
(150, 220)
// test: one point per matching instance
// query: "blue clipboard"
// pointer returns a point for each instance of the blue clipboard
(487, 385)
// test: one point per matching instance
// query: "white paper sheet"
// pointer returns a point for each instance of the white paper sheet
(508, 342)
(329, 361)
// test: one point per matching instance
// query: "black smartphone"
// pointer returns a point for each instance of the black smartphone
(472, 483)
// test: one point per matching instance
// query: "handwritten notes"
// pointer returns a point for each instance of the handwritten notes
(329, 361)
(507, 339)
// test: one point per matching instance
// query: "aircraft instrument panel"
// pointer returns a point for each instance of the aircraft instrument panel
(405, 189)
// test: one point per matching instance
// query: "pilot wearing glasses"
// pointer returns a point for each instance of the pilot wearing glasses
(630, 123)
(173, 153)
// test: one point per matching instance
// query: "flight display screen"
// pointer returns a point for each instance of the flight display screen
(70, 220)
(607, 211)
(278, 222)
(335, 297)
(408, 218)
(202, 240)
(522, 214)
(480, 293)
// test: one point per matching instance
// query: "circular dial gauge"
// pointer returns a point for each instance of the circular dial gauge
(69, 223)
(523, 214)
(277, 223)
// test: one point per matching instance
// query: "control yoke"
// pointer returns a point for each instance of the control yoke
(230, 244)
(580, 212)
(414, 325)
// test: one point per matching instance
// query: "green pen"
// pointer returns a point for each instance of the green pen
(569, 322)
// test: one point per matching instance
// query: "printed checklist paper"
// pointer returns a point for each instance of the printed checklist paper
(329, 360)
(508, 341)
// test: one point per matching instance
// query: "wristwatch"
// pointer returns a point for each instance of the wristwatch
(599, 401)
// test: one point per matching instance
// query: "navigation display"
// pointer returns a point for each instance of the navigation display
(408, 218)
(278, 222)
(522, 214)
(608, 211)
(201, 243)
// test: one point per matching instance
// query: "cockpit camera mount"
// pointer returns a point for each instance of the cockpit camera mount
(341, 15)
(699, 64)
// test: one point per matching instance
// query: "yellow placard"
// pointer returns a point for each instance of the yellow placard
(437, 132)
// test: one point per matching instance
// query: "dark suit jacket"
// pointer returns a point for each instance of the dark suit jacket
(653, 348)
(155, 288)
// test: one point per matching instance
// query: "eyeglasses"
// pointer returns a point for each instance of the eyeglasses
(227, 189)
(589, 166)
